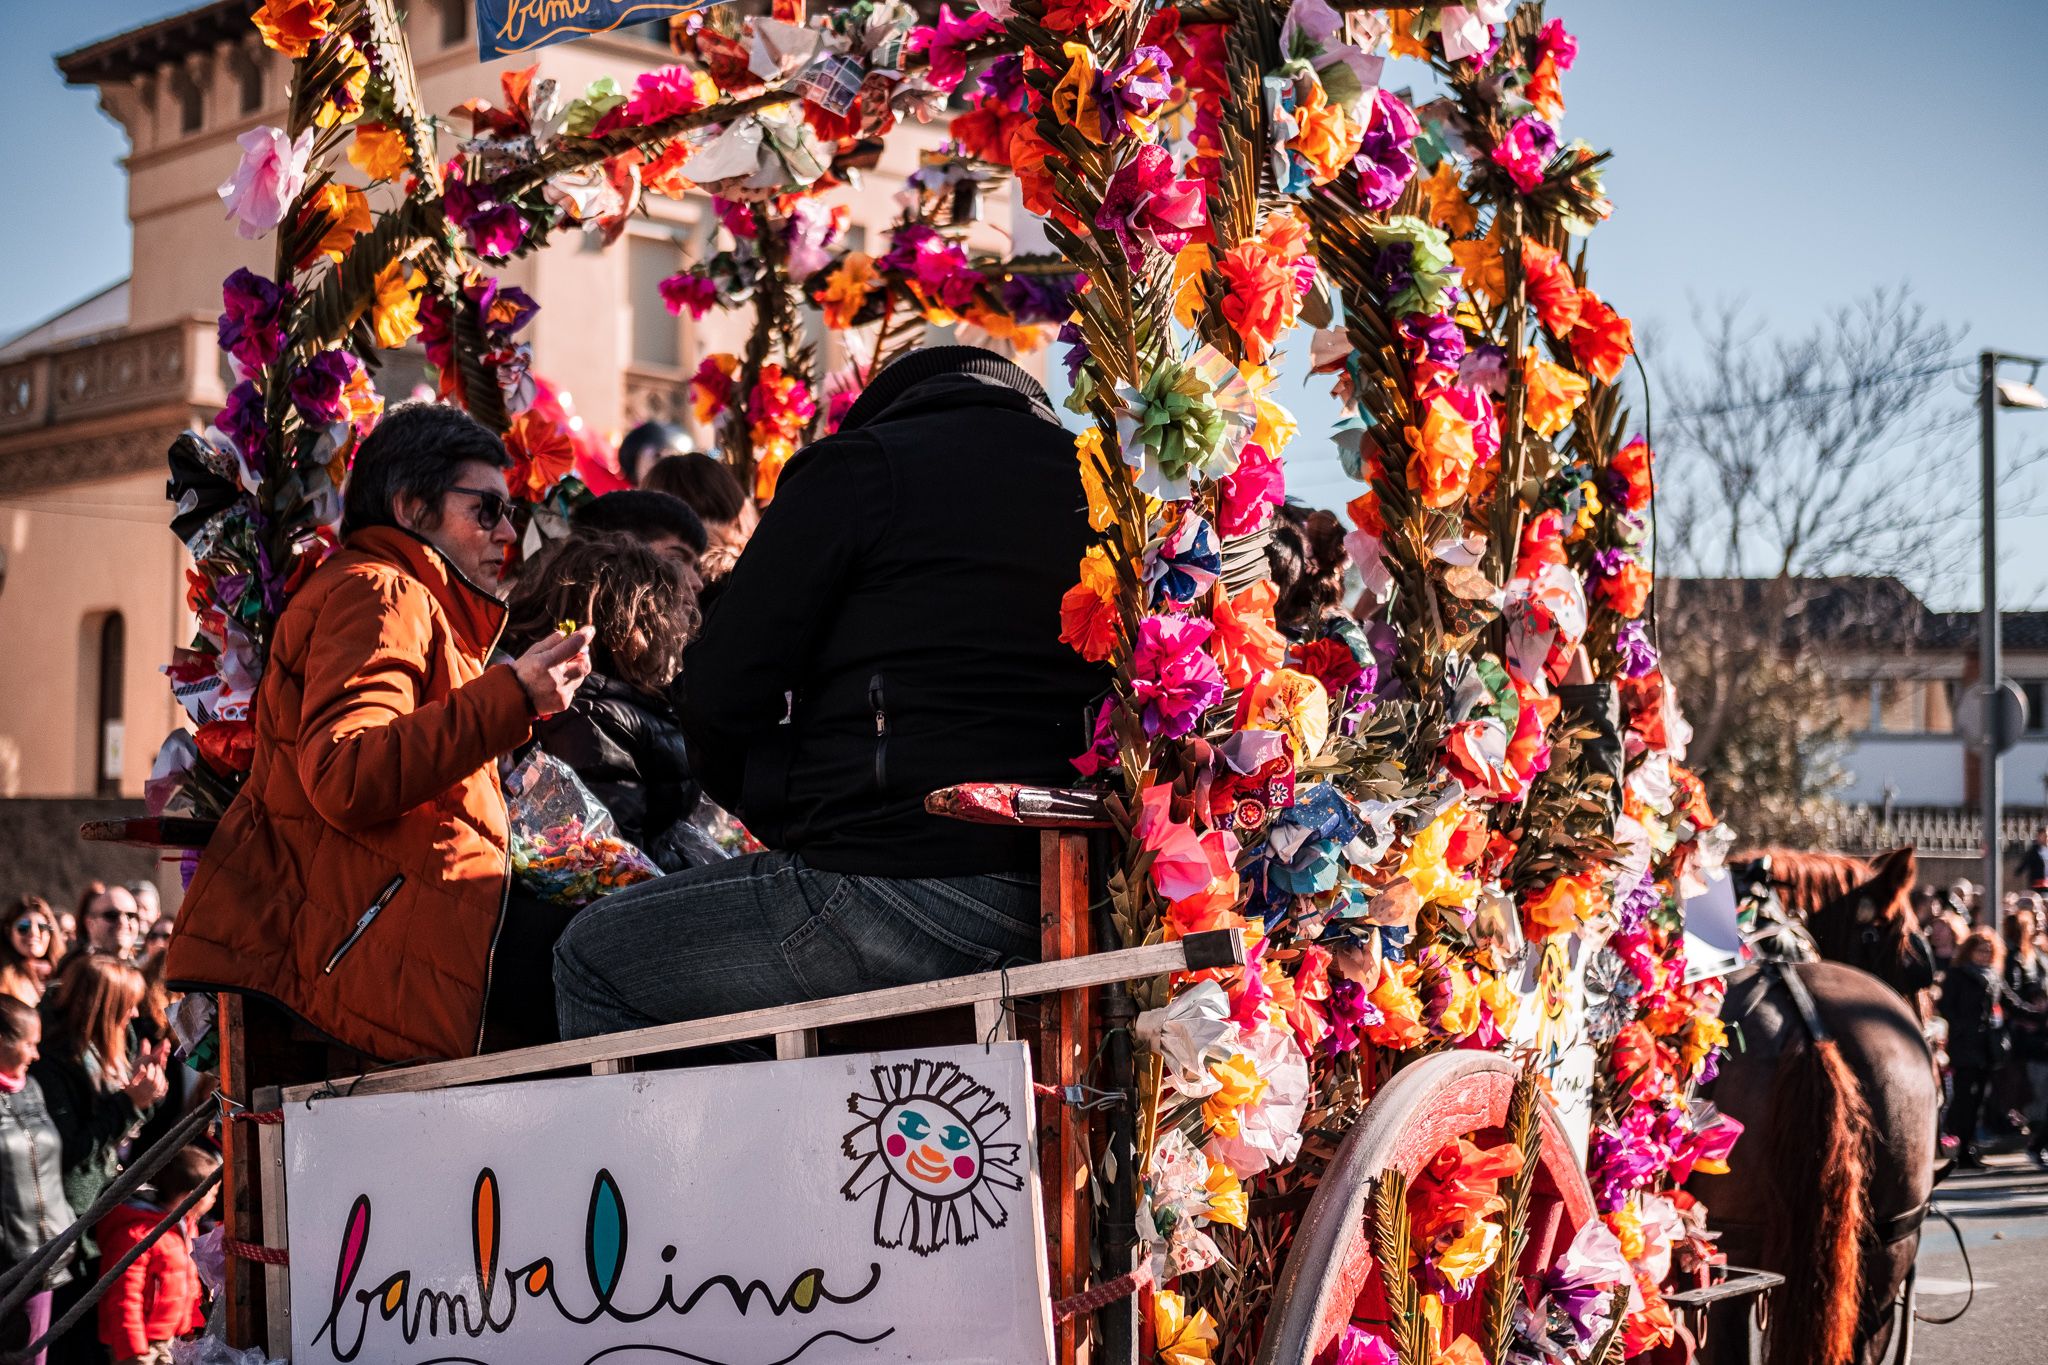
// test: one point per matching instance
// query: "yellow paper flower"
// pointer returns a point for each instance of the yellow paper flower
(395, 316)
(1183, 1338)
(846, 290)
(379, 152)
(1471, 1251)
(1448, 207)
(1295, 704)
(1227, 1202)
(1190, 279)
(1703, 1035)
(1241, 1085)
(348, 213)
(1500, 1000)
(1073, 99)
(293, 26)
(1626, 1223)
(1275, 426)
(344, 102)
(1589, 511)
(1426, 869)
(1461, 1013)
(1480, 265)
(1554, 394)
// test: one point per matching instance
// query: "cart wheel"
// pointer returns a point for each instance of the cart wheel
(1328, 1279)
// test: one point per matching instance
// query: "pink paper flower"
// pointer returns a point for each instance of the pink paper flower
(1525, 151)
(663, 94)
(1184, 863)
(1250, 492)
(947, 42)
(687, 289)
(272, 173)
(1173, 677)
(1144, 205)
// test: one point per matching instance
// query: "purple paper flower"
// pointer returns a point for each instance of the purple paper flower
(1172, 676)
(1558, 44)
(319, 389)
(504, 308)
(1356, 1346)
(1440, 341)
(1638, 655)
(1038, 298)
(495, 228)
(1607, 563)
(1526, 150)
(252, 318)
(1077, 349)
(1130, 94)
(241, 421)
(1386, 160)
(1003, 81)
(1637, 906)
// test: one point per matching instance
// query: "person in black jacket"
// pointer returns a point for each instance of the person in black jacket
(620, 733)
(892, 628)
(33, 1208)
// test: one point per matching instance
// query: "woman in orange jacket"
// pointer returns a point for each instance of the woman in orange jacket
(361, 879)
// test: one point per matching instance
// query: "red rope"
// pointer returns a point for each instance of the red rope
(260, 1115)
(1102, 1295)
(252, 1251)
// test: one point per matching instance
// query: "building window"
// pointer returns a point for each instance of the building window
(454, 22)
(2036, 693)
(191, 102)
(657, 336)
(248, 69)
(109, 668)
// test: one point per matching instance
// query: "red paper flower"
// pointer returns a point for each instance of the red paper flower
(1603, 340)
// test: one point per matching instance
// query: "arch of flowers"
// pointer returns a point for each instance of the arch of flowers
(1399, 809)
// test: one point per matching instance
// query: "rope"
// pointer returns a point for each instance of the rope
(114, 1272)
(1969, 1272)
(256, 1251)
(265, 1116)
(31, 1271)
(1078, 1096)
(1103, 1295)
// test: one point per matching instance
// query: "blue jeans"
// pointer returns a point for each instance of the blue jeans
(765, 930)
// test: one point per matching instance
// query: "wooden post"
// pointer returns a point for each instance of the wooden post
(239, 1179)
(277, 1293)
(1066, 1033)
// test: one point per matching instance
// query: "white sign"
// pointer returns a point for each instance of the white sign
(876, 1208)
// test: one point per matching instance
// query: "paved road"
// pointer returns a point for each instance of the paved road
(2003, 1214)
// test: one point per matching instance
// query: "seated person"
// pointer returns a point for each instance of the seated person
(620, 734)
(892, 628)
(361, 878)
(713, 492)
(660, 521)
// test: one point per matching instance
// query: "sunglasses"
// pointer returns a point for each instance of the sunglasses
(32, 927)
(492, 507)
(133, 916)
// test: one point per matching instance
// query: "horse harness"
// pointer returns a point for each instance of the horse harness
(1899, 1226)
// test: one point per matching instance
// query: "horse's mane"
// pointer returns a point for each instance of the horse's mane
(1806, 881)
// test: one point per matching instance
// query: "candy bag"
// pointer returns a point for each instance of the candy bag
(565, 846)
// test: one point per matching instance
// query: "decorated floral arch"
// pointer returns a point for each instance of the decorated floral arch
(1434, 840)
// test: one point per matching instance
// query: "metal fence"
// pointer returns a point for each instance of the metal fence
(1957, 833)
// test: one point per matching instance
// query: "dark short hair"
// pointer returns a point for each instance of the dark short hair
(643, 514)
(648, 442)
(15, 1017)
(185, 1172)
(414, 452)
(707, 484)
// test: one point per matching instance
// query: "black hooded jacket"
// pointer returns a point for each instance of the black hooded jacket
(893, 627)
(628, 749)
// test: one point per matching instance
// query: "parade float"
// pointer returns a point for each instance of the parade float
(1367, 1030)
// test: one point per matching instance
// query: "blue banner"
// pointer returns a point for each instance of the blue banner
(506, 28)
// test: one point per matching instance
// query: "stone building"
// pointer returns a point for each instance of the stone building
(91, 580)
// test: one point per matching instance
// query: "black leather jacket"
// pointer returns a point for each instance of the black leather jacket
(626, 746)
(33, 1208)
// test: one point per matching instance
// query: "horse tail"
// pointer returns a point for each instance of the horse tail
(1822, 1150)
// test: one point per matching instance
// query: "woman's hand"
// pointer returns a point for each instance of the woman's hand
(146, 1081)
(554, 668)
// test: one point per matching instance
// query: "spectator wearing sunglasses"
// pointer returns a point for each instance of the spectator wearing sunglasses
(28, 950)
(113, 923)
(360, 879)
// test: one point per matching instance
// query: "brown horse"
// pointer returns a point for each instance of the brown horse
(1832, 1079)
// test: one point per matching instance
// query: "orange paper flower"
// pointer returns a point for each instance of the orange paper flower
(1480, 266)
(1627, 589)
(1441, 467)
(347, 211)
(1554, 394)
(1247, 643)
(1088, 612)
(293, 26)
(1603, 340)
(1633, 463)
(1552, 289)
(1327, 138)
(379, 152)
(395, 315)
(542, 454)
(1447, 205)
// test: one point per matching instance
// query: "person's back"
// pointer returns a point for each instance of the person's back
(892, 628)
(905, 588)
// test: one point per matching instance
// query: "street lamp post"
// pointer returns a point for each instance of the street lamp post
(1991, 396)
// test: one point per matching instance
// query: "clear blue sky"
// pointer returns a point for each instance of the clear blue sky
(1793, 153)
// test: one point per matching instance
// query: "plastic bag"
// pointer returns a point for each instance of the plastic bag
(565, 846)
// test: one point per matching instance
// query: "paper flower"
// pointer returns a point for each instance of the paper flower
(1631, 474)
(1326, 136)
(938, 271)
(692, 290)
(542, 454)
(1096, 470)
(1145, 208)
(1553, 394)
(1400, 1010)
(1603, 341)
(1560, 907)
(1552, 289)
(1074, 16)
(1626, 591)
(1525, 151)
(1447, 206)
(1414, 265)
(1247, 642)
(1089, 620)
(345, 211)
(342, 96)
(1638, 655)
(947, 43)
(1173, 679)
(1183, 563)
(379, 151)
(1292, 703)
(252, 319)
(847, 289)
(1264, 278)
(665, 94)
(1247, 495)
(1426, 866)
(241, 421)
(711, 388)
(495, 227)
(293, 26)
(1180, 1337)
(1172, 429)
(269, 178)
(1130, 95)
(395, 314)
(1268, 1124)
(1440, 469)
(1357, 1346)
(320, 389)
(1386, 161)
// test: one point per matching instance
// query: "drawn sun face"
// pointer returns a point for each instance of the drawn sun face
(925, 1152)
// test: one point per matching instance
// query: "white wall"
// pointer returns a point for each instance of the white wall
(1925, 770)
